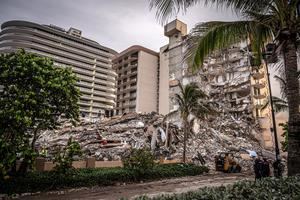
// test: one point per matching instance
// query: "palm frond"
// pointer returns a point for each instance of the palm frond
(282, 83)
(259, 35)
(167, 8)
(208, 37)
(242, 5)
(262, 18)
(191, 100)
(279, 104)
(170, 115)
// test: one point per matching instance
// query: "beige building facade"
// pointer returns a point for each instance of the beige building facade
(171, 65)
(260, 95)
(91, 62)
(137, 83)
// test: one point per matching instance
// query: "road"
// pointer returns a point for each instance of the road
(167, 186)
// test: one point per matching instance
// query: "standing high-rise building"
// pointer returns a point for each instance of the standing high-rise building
(137, 68)
(171, 65)
(91, 62)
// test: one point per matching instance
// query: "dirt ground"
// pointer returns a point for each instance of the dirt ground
(167, 186)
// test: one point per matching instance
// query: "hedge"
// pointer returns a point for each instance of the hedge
(45, 181)
(270, 188)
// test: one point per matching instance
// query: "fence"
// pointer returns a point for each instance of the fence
(42, 165)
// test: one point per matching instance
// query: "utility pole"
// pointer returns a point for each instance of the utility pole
(277, 152)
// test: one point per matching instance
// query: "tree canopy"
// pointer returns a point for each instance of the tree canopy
(34, 94)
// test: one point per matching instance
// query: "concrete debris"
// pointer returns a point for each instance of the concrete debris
(110, 139)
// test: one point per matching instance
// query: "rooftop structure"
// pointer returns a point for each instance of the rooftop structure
(171, 65)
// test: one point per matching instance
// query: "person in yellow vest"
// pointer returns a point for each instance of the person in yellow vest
(226, 162)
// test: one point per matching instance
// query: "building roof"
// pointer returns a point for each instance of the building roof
(59, 31)
(135, 48)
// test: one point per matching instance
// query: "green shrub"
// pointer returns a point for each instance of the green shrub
(140, 160)
(65, 156)
(45, 181)
(266, 189)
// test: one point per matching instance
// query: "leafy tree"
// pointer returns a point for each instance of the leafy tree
(261, 21)
(65, 156)
(140, 160)
(34, 94)
(192, 105)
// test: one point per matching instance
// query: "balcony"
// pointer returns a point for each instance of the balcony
(84, 110)
(132, 103)
(80, 103)
(127, 75)
(84, 90)
(259, 96)
(106, 88)
(127, 83)
(82, 71)
(129, 68)
(131, 88)
(258, 75)
(101, 105)
(84, 96)
(104, 76)
(259, 85)
(73, 43)
(258, 105)
(83, 77)
(105, 94)
(173, 83)
(133, 95)
(125, 105)
(132, 58)
(101, 99)
(84, 84)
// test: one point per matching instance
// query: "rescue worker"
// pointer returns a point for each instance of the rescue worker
(227, 161)
(278, 168)
(258, 168)
(233, 165)
(266, 168)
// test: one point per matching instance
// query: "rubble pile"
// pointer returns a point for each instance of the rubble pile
(110, 139)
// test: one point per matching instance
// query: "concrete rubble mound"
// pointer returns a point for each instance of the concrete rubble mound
(110, 139)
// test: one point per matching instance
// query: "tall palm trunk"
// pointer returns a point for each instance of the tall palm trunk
(290, 59)
(185, 129)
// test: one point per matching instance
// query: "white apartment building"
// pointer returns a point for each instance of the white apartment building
(90, 61)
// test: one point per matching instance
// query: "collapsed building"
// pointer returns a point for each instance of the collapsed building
(228, 79)
(111, 139)
(228, 76)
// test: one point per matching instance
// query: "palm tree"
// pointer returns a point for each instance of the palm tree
(191, 105)
(262, 21)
